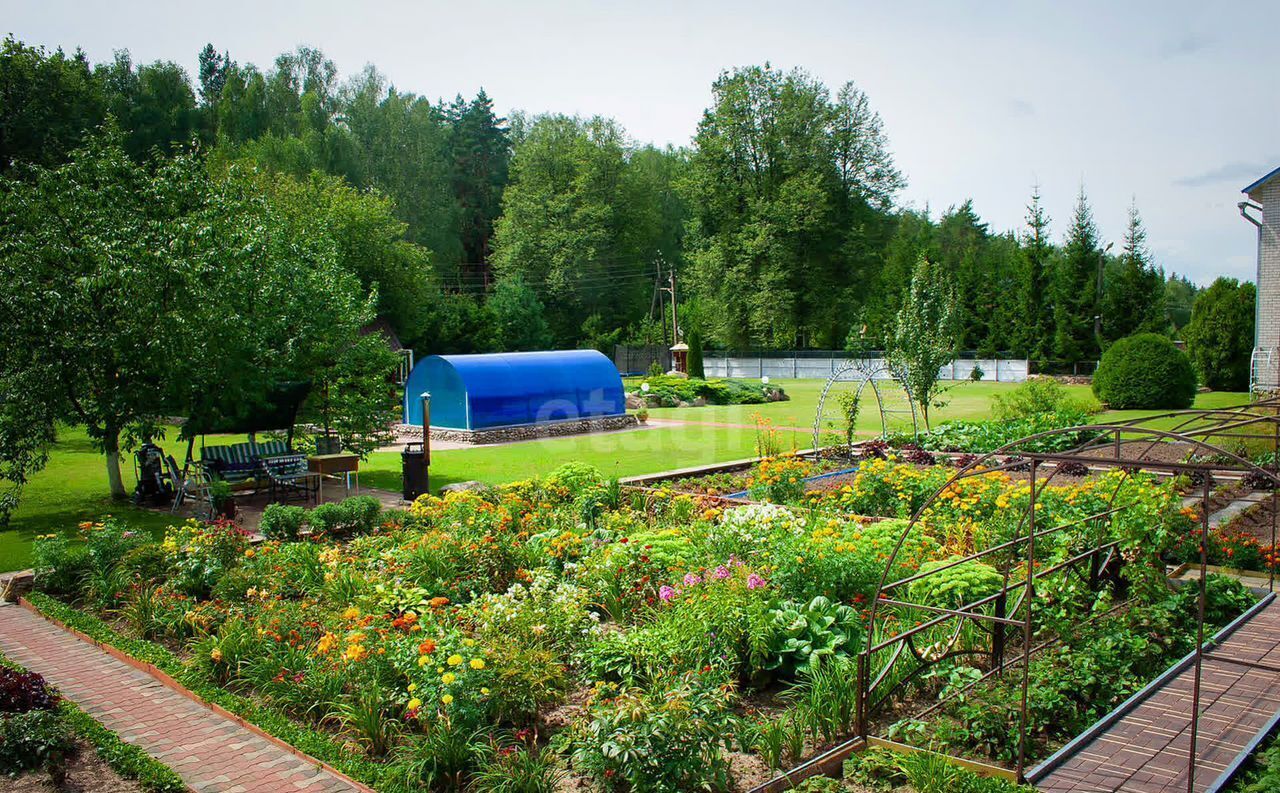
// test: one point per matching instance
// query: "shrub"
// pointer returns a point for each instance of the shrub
(60, 565)
(1036, 396)
(779, 480)
(282, 521)
(1145, 371)
(667, 737)
(21, 692)
(352, 516)
(574, 477)
(955, 586)
(36, 739)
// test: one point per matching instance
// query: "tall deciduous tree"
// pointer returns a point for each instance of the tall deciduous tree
(48, 103)
(924, 337)
(135, 291)
(1220, 334)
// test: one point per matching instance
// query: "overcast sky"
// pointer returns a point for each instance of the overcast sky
(1166, 102)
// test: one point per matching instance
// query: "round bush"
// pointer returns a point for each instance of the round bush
(1145, 371)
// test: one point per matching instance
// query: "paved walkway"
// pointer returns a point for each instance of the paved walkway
(1146, 746)
(212, 753)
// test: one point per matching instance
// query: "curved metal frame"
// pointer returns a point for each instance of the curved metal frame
(868, 371)
(1103, 560)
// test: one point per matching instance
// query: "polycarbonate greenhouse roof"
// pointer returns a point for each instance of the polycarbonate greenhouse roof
(477, 392)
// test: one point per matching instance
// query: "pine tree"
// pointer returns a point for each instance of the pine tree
(1075, 288)
(1133, 301)
(1036, 337)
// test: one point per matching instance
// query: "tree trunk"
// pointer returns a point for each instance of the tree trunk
(111, 447)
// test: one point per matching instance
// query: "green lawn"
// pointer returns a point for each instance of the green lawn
(73, 486)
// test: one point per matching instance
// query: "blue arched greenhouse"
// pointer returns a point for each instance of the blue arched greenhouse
(476, 392)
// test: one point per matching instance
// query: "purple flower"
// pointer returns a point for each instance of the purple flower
(692, 579)
(666, 593)
(721, 572)
(754, 581)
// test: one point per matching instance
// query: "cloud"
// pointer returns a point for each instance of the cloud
(1231, 172)
(1021, 107)
(1186, 44)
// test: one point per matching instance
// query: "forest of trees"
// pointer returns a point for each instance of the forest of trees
(780, 219)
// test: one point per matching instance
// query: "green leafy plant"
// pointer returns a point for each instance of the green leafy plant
(666, 737)
(805, 633)
(956, 585)
(282, 521)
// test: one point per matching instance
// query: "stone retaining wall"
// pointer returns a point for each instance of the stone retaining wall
(526, 431)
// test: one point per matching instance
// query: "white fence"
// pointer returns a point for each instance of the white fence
(1000, 370)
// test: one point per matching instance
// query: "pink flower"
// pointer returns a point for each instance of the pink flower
(721, 572)
(666, 593)
(692, 579)
(754, 581)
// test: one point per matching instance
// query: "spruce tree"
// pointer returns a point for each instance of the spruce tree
(1133, 302)
(1036, 339)
(1075, 288)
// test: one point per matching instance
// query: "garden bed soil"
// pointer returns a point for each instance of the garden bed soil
(1256, 521)
(86, 773)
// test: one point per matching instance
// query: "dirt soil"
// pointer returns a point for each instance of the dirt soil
(86, 773)
(1256, 521)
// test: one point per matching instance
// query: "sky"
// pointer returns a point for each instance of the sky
(1162, 103)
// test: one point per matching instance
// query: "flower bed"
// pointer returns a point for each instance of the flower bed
(634, 640)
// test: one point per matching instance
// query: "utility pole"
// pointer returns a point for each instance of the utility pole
(660, 291)
(671, 290)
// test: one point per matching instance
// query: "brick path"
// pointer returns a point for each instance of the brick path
(1146, 749)
(212, 753)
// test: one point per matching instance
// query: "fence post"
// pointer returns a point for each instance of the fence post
(997, 632)
(860, 717)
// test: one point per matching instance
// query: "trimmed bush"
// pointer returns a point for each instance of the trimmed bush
(281, 521)
(1145, 371)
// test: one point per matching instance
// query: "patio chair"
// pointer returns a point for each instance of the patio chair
(194, 484)
(288, 475)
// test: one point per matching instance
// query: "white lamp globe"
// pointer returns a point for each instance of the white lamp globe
(765, 379)
(644, 387)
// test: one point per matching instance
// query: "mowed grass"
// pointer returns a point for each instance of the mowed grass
(73, 487)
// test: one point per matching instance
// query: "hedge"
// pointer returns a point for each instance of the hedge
(1145, 371)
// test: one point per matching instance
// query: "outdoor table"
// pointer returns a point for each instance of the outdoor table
(331, 465)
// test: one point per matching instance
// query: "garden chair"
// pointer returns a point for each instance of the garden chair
(194, 484)
(288, 475)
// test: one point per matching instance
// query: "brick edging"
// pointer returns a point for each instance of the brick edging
(168, 681)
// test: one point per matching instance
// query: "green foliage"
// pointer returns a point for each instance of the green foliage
(695, 366)
(1075, 287)
(35, 739)
(956, 586)
(1133, 300)
(1145, 371)
(804, 634)
(351, 516)
(1037, 396)
(980, 437)
(574, 477)
(669, 390)
(925, 772)
(127, 760)
(518, 319)
(666, 737)
(281, 521)
(1220, 334)
(923, 337)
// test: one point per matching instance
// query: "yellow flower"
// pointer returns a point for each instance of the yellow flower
(415, 703)
(424, 660)
(455, 659)
(468, 642)
(326, 643)
(448, 677)
(413, 687)
(351, 613)
(484, 692)
(447, 699)
(248, 553)
(216, 655)
(477, 663)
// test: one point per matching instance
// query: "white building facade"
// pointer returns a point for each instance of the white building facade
(1262, 209)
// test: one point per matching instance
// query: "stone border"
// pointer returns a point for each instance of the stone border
(525, 432)
(169, 682)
